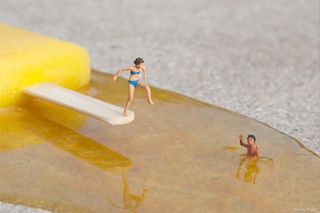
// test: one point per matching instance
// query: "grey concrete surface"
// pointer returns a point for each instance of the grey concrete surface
(259, 58)
(10, 208)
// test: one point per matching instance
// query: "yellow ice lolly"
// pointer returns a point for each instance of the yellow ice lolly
(27, 58)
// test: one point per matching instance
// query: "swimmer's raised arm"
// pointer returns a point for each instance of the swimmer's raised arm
(241, 141)
(119, 71)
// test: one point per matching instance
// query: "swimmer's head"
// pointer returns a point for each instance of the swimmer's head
(251, 139)
(138, 62)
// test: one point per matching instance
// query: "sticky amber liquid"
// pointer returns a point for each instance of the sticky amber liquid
(179, 155)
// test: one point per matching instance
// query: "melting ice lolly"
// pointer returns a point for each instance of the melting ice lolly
(49, 68)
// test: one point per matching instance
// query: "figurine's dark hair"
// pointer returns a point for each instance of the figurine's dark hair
(138, 61)
(252, 136)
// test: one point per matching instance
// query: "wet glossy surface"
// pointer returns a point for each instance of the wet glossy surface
(179, 155)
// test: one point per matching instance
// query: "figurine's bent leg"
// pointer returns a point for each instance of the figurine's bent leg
(129, 99)
(148, 90)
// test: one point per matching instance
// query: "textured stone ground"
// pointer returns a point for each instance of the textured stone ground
(260, 58)
(9, 208)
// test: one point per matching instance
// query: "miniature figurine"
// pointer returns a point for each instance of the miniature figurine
(134, 81)
(252, 147)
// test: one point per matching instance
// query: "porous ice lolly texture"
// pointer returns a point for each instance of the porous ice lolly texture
(27, 58)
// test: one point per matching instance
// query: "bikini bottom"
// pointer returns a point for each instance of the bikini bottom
(134, 83)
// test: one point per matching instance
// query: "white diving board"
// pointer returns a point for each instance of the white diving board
(101, 110)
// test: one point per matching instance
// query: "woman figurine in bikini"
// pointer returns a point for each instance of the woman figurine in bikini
(134, 81)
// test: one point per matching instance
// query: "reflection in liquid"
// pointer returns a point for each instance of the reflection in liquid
(130, 201)
(231, 148)
(251, 169)
(20, 128)
(88, 150)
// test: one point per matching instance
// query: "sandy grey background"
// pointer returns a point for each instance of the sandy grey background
(260, 58)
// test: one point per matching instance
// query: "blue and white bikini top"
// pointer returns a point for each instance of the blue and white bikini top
(134, 73)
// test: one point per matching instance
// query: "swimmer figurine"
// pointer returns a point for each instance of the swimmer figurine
(133, 81)
(252, 147)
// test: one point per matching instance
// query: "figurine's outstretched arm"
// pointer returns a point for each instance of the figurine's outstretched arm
(119, 71)
(145, 73)
(241, 141)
